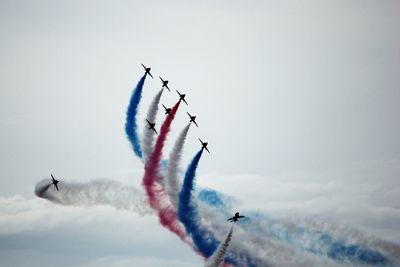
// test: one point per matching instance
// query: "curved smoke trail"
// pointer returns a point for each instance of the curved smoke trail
(173, 184)
(187, 212)
(220, 254)
(152, 178)
(131, 113)
(93, 193)
(148, 135)
(204, 239)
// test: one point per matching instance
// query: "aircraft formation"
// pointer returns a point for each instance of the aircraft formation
(151, 127)
(168, 110)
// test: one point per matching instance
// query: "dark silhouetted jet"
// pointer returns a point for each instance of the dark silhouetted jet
(235, 218)
(54, 181)
(167, 110)
(204, 145)
(192, 119)
(147, 71)
(151, 125)
(164, 83)
(181, 97)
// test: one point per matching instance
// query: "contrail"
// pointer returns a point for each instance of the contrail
(152, 182)
(148, 135)
(173, 184)
(220, 254)
(131, 113)
(93, 193)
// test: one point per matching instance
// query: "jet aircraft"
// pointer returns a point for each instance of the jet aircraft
(204, 145)
(151, 125)
(54, 182)
(236, 217)
(164, 83)
(167, 110)
(192, 119)
(147, 71)
(182, 97)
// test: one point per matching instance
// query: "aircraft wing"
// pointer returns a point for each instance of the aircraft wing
(161, 78)
(150, 75)
(207, 150)
(167, 88)
(195, 123)
(155, 131)
(57, 187)
(148, 121)
(185, 102)
(241, 216)
(231, 219)
(144, 66)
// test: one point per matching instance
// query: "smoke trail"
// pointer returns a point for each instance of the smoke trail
(93, 193)
(152, 178)
(219, 256)
(148, 135)
(131, 123)
(187, 212)
(173, 184)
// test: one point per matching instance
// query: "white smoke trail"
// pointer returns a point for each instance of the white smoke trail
(93, 193)
(219, 255)
(173, 184)
(148, 135)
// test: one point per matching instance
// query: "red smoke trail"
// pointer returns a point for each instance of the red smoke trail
(151, 182)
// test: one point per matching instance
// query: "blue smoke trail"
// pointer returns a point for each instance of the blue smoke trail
(188, 214)
(131, 123)
(343, 252)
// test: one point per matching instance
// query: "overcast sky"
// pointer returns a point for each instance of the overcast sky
(299, 101)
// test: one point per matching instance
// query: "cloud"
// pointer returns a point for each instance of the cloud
(35, 232)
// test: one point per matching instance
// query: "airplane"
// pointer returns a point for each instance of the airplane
(164, 83)
(54, 182)
(192, 119)
(181, 97)
(235, 218)
(151, 125)
(204, 145)
(167, 110)
(147, 71)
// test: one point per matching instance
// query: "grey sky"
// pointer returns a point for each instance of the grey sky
(303, 92)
